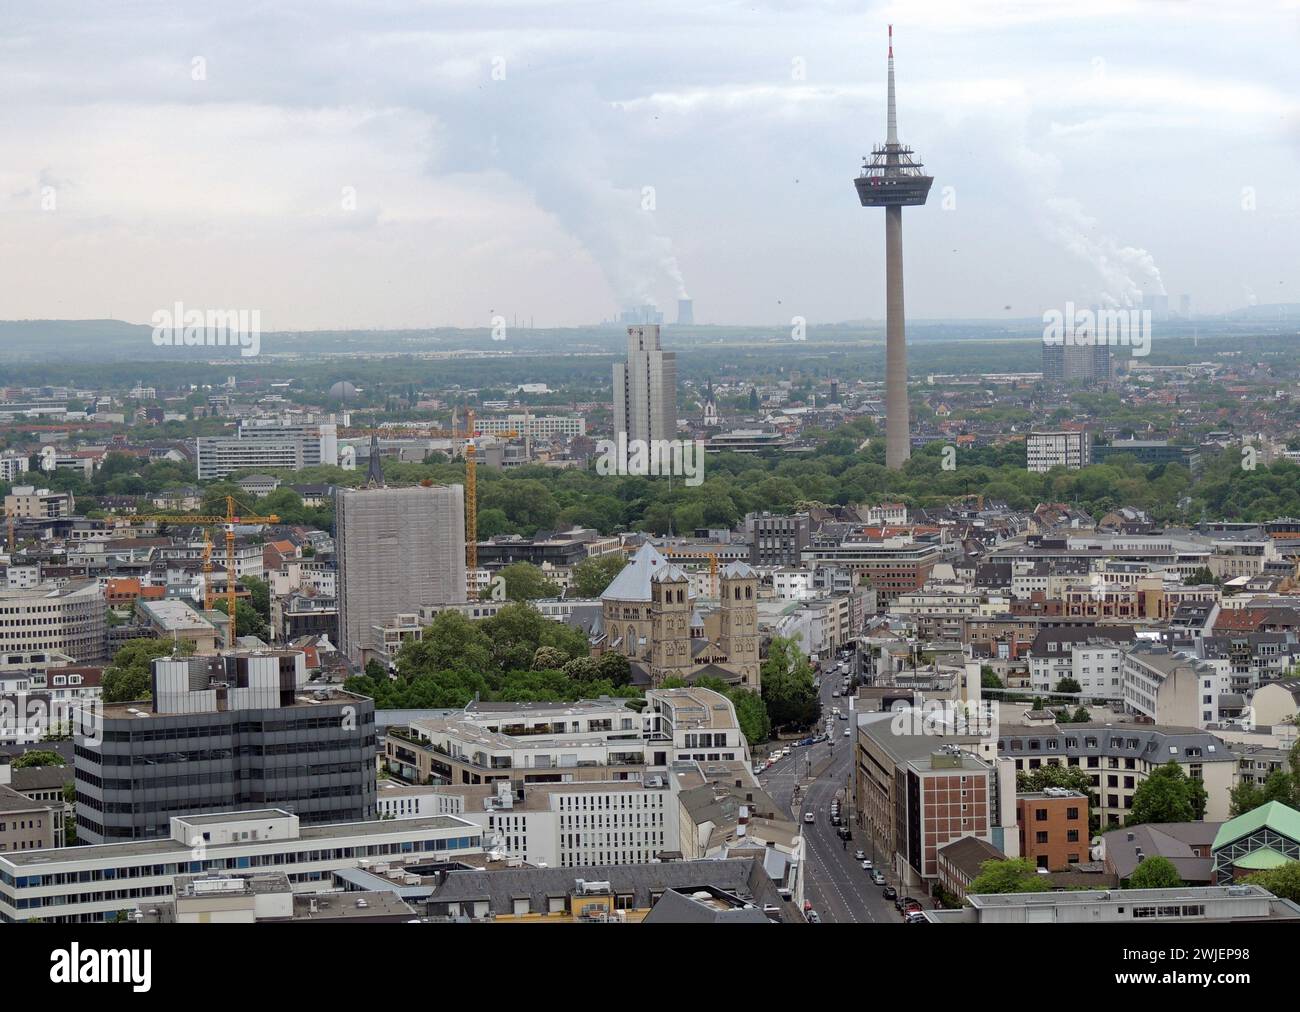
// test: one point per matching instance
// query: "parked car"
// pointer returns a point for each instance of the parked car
(915, 917)
(859, 855)
(848, 733)
(889, 892)
(877, 878)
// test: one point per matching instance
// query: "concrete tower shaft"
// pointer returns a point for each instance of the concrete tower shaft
(892, 178)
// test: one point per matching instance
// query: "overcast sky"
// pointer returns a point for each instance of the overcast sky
(401, 163)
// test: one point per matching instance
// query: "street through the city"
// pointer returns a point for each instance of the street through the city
(836, 885)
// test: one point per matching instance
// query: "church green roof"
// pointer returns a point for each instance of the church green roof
(1275, 816)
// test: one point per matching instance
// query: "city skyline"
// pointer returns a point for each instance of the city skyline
(410, 170)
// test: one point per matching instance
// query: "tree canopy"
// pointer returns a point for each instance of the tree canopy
(1168, 795)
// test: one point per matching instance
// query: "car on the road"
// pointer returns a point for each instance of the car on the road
(835, 694)
(809, 817)
(813, 918)
(860, 855)
(845, 833)
(889, 892)
(915, 917)
(848, 733)
(876, 877)
(841, 715)
(903, 902)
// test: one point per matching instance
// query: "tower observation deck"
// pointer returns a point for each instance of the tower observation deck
(893, 178)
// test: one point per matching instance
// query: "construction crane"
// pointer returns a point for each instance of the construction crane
(467, 436)
(228, 522)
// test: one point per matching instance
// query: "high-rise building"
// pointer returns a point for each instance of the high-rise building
(891, 178)
(685, 312)
(221, 733)
(262, 445)
(1046, 450)
(645, 388)
(399, 549)
(1065, 363)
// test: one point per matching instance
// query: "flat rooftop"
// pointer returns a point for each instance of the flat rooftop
(254, 815)
(164, 847)
(534, 709)
(465, 731)
(1083, 897)
(305, 699)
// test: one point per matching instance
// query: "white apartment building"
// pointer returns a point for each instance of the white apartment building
(698, 809)
(1046, 450)
(96, 883)
(267, 445)
(565, 743)
(46, 625)
(12, 467)
(1172, 688)
(790, 584)
(1097, 665)
(888, 513)
(534, 426)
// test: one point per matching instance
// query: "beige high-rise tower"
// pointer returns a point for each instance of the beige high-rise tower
(645, 388)
(891, 178)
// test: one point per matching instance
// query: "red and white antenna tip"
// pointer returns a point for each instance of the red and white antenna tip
(891, 42)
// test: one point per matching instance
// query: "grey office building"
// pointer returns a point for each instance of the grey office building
(224, 733)
(777, 540)
(399, 549)
(1070, 363)
(645, 388)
